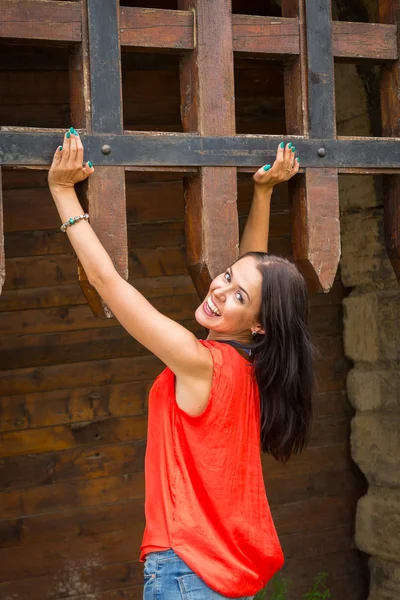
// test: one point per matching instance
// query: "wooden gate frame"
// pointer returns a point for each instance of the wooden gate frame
(206, 35)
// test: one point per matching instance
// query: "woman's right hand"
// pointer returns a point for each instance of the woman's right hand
(284, 168)
(67, 168)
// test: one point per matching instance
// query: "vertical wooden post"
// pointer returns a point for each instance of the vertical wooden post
(208, 108)
(389, 13)
(2, 255)
(310, 110)
(96, 105)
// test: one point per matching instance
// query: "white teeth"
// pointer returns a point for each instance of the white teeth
(213, 308)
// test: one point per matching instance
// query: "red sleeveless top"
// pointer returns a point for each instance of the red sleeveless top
(205, 494)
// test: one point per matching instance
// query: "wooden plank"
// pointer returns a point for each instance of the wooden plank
(99, 108)
(316, 227)
(62, 437)
(156, 28)
(265, 35)
(2, 254)
(207, 107)
(66, 496)
(105, 581)
(45, 20)
(76, 464)
(389, 12)
(41, 379)
(321, 95)
(372, 41)
(62, 559)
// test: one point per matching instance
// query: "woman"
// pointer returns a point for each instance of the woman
(209, 532)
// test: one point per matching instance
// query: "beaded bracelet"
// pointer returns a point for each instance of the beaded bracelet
(73, 220)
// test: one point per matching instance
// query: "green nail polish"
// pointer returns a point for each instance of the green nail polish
(289, 145)
(75, 132)
(267, 167)
(297, 158)
(60, 148)
(293, 148)
(68, 135)
(71, 130)
(282, 145)
(90, 164)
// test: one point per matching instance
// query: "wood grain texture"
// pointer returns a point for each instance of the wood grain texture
(316, 227)
(389, 12)
(2, 255)
(207, 107)
(45, 20)
(156, 28)
(265, 35)
(371, 41)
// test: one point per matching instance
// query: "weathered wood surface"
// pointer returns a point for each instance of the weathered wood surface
(255, 35)
(98, 108)
(316, 227)
(389, 12)
(371, 41)
(2, 255)
(156, 28)
(207, 107)
(45, 20)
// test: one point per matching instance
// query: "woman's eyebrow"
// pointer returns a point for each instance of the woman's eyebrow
(239, 286)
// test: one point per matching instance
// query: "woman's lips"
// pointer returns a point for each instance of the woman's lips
(208, 310)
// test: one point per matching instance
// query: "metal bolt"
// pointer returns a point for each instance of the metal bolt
(321, 152)
(106, 149)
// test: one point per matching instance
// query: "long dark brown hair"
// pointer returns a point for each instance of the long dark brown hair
(284, 358)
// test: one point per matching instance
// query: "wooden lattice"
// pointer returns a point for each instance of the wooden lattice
(207, 35)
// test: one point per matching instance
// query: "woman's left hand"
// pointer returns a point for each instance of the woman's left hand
(67, 168)
(285, 167)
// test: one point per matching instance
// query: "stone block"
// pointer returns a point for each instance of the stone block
(357, 192)
(378, 523)
(364, 259)
(371, 390)
(372, 326)
(385, 579)
(375, 443)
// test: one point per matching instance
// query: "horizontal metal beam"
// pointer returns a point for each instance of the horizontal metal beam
(25, 148)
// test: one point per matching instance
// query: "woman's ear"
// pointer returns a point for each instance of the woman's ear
(259, 329)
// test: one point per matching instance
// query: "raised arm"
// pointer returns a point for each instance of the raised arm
(177, 347)
(256, 231)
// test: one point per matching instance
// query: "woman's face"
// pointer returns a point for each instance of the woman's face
(232, 305)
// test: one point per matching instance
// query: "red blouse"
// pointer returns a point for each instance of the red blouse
(205, 494)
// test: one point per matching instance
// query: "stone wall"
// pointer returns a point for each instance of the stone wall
(372, 342)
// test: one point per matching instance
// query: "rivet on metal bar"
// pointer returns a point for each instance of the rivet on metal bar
(321, 152)
(106, 149)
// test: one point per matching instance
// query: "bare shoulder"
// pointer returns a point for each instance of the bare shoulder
(192, 389)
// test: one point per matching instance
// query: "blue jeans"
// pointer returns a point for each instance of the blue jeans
(167, 577)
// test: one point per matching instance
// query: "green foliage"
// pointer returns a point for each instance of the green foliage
(279, 586)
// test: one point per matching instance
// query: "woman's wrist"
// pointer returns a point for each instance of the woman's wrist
(263, 191)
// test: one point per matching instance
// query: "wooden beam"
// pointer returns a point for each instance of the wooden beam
(45, 20)
(95, 68)
(389, 12)
(316, 227)
(265, 35)
(208, 108)
(2, 256)
(156, 28)
(359, 41)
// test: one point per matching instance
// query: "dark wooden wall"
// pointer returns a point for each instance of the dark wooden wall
(74, 388)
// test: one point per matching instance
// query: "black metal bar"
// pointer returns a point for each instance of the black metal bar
(22, 148)
(105, 66)
(321, 90)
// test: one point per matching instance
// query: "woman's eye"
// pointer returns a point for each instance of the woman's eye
(227, 276)
(239, 297)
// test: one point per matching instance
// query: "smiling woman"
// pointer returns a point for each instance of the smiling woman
(209, 531)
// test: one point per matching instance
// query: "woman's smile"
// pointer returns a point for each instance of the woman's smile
(210, 308)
